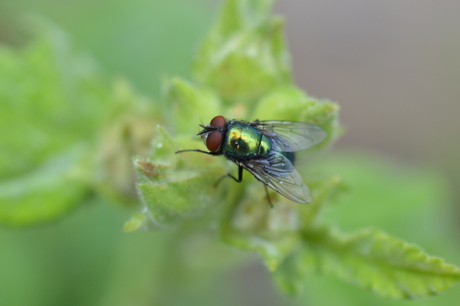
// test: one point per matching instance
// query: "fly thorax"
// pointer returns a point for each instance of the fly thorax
(246, 141)
(265, 146)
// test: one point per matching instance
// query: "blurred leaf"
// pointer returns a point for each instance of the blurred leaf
(371, 259)
(323, 193)
(144, 43)
(290, 103)
(404, 200)
(190, 104)
(244, 55)
(51, 96)
(128, 130)
(53, 100)
(44, 193)
(42, 265)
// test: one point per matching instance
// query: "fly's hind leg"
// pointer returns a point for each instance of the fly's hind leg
(268, 197)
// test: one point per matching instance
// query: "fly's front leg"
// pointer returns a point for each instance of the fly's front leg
(238, 180)
(199, 151)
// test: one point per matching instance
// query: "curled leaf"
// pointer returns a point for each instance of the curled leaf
(371, 259)
(173, 187)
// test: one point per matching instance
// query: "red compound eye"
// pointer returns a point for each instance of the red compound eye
(214, 140)
(218, 121)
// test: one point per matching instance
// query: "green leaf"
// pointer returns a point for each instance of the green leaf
(244, 55)
(174, 187)
(45, 192)
(371, 259)
(251, 224)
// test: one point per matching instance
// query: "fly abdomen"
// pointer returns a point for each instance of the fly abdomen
(290, 156)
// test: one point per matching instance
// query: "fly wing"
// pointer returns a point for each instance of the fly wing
(279, 174)
(289, 136)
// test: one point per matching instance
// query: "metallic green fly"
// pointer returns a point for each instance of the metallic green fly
(265, 149)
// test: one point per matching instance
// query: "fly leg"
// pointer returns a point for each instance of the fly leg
(268, 197)
(199, 151)
(238, 180)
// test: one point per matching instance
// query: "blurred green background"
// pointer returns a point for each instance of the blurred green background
(392, 67)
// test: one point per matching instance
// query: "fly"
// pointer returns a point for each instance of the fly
(265, 149)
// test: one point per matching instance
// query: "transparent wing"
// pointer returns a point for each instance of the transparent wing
(279, 174)
(289, 136)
